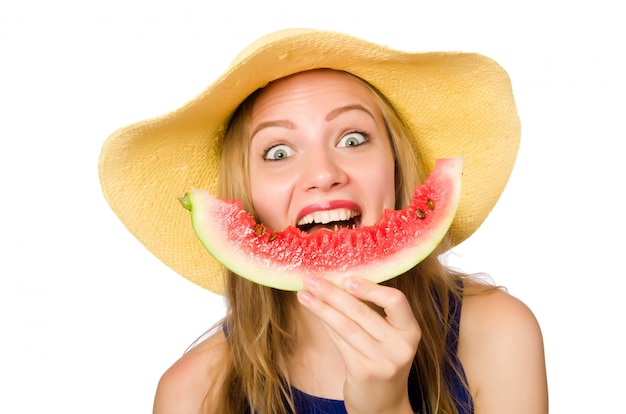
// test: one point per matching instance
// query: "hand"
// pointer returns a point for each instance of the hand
(377, 350)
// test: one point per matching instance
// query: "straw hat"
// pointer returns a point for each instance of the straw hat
(456, 104)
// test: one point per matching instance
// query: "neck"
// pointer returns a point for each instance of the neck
(315, 367)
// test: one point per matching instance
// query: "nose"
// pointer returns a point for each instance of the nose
(322, 171)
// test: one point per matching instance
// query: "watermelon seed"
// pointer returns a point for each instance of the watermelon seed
(430, 205)
(420, 213)
(273, 236)
(259, 230)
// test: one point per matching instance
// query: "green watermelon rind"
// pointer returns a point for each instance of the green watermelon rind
(282, 259)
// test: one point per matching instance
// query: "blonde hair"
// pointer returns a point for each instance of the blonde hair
(260, 334)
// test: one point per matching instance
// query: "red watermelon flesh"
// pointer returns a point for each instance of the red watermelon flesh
(280, 259)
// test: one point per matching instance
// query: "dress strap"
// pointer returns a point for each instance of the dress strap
(454, 372)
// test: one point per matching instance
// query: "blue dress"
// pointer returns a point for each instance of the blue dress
(309, 404)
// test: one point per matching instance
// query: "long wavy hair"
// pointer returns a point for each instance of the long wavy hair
(260, 331)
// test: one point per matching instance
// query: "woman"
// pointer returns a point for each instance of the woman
(331, 132)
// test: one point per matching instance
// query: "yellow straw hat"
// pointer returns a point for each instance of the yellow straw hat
(456, 104)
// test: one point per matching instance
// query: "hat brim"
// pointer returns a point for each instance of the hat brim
(456, 104)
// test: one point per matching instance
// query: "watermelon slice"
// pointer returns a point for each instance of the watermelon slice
(280, 259)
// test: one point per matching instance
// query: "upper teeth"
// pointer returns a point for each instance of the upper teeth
(327, 216)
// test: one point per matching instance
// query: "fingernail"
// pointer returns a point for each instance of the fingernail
(304, 297)
(351, 284)
(311, 282)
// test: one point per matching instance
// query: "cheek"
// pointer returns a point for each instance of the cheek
(375, 187)
(270, 201)
(384, 185)
(381, 180)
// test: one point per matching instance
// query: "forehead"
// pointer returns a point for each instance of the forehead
(318, 81)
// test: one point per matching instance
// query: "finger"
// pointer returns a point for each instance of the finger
(359, 332)
(349, 337)
(395, 304)
(365, 356)
(350, 306)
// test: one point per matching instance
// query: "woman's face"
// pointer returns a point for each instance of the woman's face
(320, 155)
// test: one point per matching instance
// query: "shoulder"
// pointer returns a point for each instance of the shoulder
(501, 349)
(194, 378)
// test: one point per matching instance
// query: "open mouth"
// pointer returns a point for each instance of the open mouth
(332, 220)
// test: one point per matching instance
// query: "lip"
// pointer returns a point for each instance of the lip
(328, 205)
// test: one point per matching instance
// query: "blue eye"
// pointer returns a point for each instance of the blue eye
(352, 139)
(278, 152)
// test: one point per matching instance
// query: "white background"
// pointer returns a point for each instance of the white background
(89, 320)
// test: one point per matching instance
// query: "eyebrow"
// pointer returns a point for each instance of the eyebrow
(268, 124)
(329, 117)
(338, 111)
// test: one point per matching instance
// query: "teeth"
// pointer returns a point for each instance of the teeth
(327, 216)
